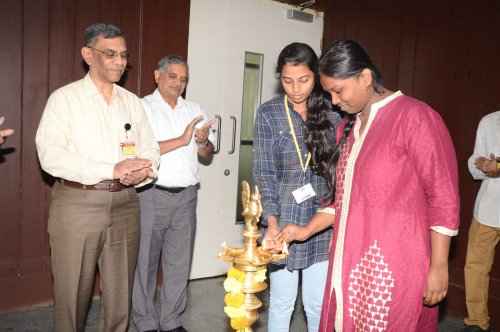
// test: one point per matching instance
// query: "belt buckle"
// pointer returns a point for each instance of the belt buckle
(114, 187)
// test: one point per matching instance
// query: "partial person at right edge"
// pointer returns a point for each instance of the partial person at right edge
(168, 207)
(484, 232)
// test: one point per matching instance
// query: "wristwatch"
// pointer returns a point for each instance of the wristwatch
(203, 144)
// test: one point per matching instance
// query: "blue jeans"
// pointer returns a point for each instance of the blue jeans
(283, 293)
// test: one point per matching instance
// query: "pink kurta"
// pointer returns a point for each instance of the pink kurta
(398, 182)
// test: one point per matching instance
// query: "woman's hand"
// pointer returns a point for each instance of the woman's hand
(436, 285)
(293, 233)
(318, 223)
(269, 242)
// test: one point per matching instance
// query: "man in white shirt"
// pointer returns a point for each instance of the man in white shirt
(484, 232)
(168, 207)
(95, 139)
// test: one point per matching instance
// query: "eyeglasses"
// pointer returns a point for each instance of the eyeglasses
(111, 54)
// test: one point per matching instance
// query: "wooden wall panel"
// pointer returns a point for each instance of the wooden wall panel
(131, 16)
(10, 158)
(112, 11)
(409, 31)
(86, 13)
(334, 26)
(40, 52)
(488, 99)
(371, 30)
(162, 36)
(62, 40)
(33, 249)
(425, 51)
(372, 24)
(392, 39)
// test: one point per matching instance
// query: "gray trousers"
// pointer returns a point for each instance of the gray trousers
(168, 223)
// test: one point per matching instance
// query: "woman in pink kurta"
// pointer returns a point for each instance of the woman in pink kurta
(396, 203)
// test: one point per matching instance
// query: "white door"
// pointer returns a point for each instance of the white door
(220, 33)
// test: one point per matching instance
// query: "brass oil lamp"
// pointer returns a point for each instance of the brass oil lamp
(251, 259)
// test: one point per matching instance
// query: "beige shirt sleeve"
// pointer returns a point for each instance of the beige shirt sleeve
(57, 152)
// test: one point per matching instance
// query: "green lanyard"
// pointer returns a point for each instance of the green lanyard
(292, 130)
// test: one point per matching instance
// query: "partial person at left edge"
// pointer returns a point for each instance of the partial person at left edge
(5, 132)
(95, 140)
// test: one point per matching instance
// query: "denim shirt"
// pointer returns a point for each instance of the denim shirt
(277, 172)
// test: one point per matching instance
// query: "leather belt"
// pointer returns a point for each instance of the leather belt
(109, 185)
(173, 190)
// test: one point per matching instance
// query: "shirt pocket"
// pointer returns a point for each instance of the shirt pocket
(285, 150)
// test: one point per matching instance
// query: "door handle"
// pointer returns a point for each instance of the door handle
(233, 144)
(219, 125)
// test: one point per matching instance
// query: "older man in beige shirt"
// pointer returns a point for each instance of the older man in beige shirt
(95, 139)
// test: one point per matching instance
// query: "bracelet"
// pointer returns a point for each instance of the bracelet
(203, 144)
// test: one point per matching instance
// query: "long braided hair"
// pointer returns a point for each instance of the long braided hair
(341, 60)
(319, 126)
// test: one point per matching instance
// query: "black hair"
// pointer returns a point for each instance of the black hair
(106, 30)
(344, 59)
(319, 126)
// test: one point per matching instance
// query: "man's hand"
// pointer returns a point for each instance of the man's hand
(135, 177)
(5, 132)
(488, 166)
(201, 134)
(190, 128)
(130, 165)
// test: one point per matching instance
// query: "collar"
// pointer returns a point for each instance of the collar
(157, 98)
(381, 103)
(92, 90)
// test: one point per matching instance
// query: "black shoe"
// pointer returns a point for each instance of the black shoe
(474, 328)
(177, 329)
(151, 331)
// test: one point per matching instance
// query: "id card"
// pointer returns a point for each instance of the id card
(303, 193)
(128, 149)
